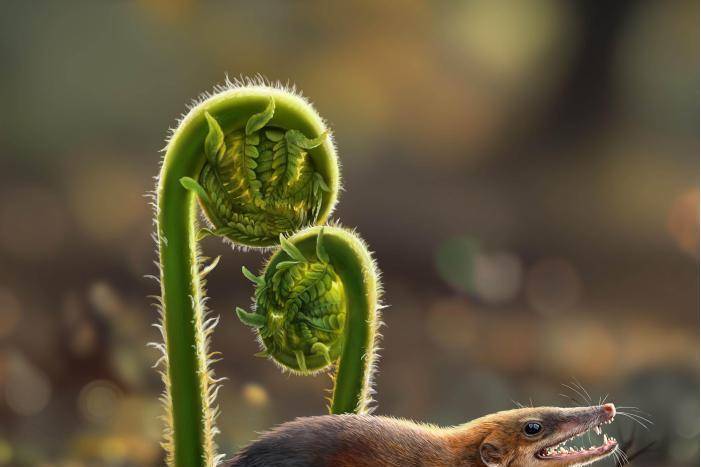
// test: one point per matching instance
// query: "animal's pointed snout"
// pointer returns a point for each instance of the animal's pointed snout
(610, 409)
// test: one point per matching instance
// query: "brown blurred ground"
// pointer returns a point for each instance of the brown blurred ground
(526, 172)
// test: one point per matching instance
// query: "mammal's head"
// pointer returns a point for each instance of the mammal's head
(546, 436)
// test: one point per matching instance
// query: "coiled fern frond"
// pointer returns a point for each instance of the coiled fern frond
(259, 181)
(317, 303)
(261, 162)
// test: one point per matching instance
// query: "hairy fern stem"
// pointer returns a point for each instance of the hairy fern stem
(261, 162)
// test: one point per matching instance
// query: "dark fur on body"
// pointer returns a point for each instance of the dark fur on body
(370, 441)
(345, 441)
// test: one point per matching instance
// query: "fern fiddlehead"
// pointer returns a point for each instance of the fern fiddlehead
(258, 181)
(317, 303)
(260, 162)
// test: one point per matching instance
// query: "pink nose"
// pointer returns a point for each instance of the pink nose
(610, 409)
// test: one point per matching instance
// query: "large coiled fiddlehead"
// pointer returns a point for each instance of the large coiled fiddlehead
(260, 161)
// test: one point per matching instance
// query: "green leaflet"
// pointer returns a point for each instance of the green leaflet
(250, 319)
(298, 139)
(320, 249)
(291, 250)
(192, 185)
(252, 277)
(259, 120)
(214, 141)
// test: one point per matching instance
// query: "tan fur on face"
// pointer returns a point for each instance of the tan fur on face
(499, 440)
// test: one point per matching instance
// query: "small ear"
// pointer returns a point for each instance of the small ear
(491, 454)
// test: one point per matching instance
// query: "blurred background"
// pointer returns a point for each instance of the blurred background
(526, 172)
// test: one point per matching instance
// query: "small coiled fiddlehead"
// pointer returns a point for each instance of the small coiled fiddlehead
(317, 303)
(260, 161)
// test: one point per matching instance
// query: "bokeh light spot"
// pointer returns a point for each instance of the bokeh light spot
(552, 286)
(493, 277)
(255, 395)
(455, 262)
(5, 452)
(585, 348)
(683, 222)
(497, 276)
(28, 390)
(98, 401)
(105, 299)
(509, 38)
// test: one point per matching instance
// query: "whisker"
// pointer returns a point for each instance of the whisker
(635, 420)
(615, 456)
(584, 399)
(639, 416)
(635, 409)
(621, 457)
(572, 399)
(624, 456)
(585, 391)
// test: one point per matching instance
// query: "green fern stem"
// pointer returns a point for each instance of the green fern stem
(317, 305)
(261, 163)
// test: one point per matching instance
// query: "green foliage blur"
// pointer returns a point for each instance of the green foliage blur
(526, 172)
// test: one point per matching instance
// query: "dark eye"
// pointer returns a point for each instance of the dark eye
(532, 428)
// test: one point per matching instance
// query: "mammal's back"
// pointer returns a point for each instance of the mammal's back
(345, 441)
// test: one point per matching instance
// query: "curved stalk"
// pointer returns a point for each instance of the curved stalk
(261, 163)
(317, 304)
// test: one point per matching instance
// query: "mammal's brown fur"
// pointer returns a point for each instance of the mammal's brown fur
(368, 441)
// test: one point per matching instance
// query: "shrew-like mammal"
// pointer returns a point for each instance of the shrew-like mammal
(525, 437)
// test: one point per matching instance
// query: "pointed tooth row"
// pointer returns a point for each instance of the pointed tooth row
(563, 449)
(573, 450)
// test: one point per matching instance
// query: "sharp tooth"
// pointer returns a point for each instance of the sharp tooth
(597, 429)
(606, 439)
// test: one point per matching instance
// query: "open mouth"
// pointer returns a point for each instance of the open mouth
(573, 448)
